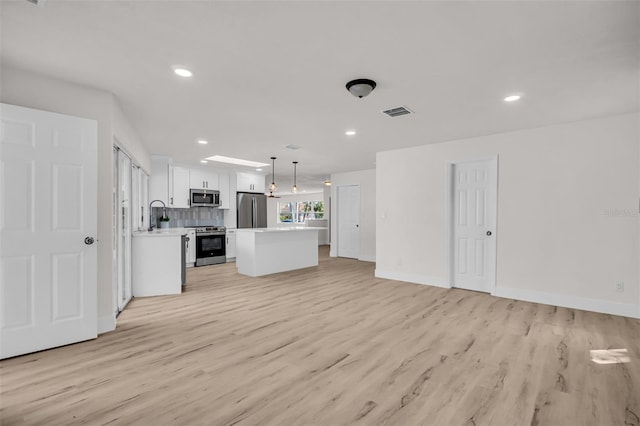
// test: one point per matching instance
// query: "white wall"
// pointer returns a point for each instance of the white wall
(568, 226)
(366, 179)
(28, 89)
(128, 139)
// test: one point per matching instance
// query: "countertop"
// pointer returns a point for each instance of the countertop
(282, 229)
(163, 232)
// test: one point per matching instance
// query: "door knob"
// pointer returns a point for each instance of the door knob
(88, 241)
(488, 233)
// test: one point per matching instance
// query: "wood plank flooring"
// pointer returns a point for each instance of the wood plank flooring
(331, 345)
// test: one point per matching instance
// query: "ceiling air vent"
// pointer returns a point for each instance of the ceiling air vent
(398, 111)
(37, 2)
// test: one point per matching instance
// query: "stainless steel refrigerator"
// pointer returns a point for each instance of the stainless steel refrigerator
(252, 210)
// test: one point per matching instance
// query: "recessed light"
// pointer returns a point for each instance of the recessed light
(258, 170)
(327, 183)
(350, 132)
(237, 161)
(183, 72)
(204, 161)
(512, 98)
(202, 142)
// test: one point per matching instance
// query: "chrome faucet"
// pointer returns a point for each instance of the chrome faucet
(164, 212)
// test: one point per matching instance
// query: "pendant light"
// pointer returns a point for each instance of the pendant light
(273, 188)
(295, 187)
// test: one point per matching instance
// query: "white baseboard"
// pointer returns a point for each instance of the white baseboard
(368, 258)
(106, 323)
(412, 278)
(567, 301)
(575, 302)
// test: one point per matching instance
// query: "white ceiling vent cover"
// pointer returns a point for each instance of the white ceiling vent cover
(397, 111)
(37, 2)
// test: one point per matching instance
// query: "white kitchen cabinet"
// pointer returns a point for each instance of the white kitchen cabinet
(248, 182)
(203, 179)
(225, 193)
(179, 195)
(231, 244)
(168, 183)
(159, 180)
(157, 263)
(191, 247)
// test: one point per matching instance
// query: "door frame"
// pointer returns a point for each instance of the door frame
(450, 255)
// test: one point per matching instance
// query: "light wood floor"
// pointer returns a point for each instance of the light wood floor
(331, 345)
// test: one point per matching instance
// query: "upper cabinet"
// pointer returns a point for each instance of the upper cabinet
(169, 183)
(179, 196)
(203, 179)
(248, 182)
(225, 193)
(159, 179)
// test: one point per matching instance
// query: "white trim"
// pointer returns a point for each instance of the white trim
(568, 301)
(106, 323)
(367, 258)
(449, 200)
(412, 278)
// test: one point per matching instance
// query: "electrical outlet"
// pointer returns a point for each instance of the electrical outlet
(620, 286)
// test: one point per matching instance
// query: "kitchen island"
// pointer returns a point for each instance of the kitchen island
(263, 251)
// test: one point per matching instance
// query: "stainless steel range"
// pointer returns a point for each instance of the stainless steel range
(210, 245)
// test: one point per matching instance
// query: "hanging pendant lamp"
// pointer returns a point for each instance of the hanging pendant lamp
(273, 188)
(295, 187)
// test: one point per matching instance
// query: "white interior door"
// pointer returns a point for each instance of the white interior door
(474, 224)
(48, 225)
(349, 221)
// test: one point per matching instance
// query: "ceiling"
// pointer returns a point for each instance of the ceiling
(268, 74)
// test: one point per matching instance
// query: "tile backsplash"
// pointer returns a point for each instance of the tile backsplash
(195, 216)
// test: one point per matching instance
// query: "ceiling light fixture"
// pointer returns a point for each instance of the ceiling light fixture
(204, 161)
(273, 188)
(236, 161)
(183, 72)
(327, 183)
(258, 170)
(350, 132)
(295, 187)
(202, 142)
(512, 98)
(361, 87)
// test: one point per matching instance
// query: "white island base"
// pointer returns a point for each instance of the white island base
(263, 251)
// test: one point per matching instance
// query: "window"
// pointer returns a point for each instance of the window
(298, 212)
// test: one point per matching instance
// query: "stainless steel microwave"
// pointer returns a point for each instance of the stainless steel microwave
(204, 198)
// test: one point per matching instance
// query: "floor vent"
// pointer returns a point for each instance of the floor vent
(397, 111)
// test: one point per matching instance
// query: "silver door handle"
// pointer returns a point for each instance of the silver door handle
(89, 240)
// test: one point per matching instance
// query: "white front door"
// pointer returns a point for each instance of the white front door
(48, 218)
(474, 224)
(349, 221)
